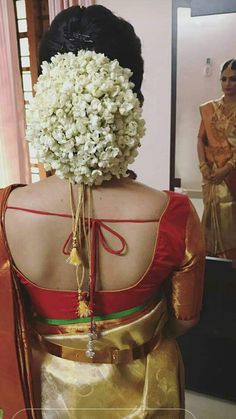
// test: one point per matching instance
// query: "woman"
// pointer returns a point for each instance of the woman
(94, 337)
(217, 162)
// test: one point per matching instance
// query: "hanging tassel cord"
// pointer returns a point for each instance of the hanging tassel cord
(75, 257)
(83, 225)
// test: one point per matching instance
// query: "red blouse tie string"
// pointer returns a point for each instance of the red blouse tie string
(97, 227)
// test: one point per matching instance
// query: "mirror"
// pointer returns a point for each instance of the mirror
(202, 39)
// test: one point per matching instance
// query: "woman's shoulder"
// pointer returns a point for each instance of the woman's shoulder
(34, 195)
(161, 194)
(145, 200)
(211, 103)
(207, 104)
(155, 202)
(143, 188)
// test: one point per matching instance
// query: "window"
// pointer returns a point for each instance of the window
(32, 19)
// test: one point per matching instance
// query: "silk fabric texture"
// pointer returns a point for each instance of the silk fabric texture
(144, 388)
(218, 133)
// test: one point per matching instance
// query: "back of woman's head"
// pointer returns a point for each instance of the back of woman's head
(230, 63)
(98, 29)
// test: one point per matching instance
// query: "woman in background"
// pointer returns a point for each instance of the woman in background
(217, 162)
(94, 338)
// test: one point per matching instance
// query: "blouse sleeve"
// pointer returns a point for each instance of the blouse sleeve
(185, 288)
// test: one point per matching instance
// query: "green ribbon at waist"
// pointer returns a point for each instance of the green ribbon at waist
(110, 316)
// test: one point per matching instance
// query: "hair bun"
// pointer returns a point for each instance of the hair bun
(75, 41)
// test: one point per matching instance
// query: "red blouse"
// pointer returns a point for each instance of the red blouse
(171, 259)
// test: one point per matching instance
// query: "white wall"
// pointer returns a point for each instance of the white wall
(152, 22)
(198, 38)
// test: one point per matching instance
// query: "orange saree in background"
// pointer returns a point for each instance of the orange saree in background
(137, 372)
(218, 132)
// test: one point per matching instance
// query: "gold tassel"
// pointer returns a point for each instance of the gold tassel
(83, 309)
(74, 258)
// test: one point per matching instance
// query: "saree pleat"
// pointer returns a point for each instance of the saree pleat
(219, 221)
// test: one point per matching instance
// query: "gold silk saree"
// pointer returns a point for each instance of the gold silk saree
(218, 132)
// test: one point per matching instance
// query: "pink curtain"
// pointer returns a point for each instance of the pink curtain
(56, 6)
(14, 158)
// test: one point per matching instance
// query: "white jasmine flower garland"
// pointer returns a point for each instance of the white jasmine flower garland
(85, 121)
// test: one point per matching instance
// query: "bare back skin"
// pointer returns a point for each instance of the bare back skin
(36, 241)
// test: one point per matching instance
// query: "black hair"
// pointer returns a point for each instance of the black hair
(230, 63)
(94, 28)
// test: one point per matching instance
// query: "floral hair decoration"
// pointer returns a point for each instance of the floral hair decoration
(84, 120)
